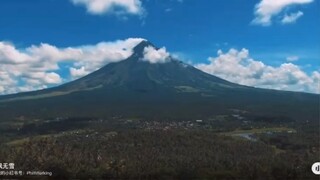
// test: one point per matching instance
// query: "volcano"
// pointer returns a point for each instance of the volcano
(169, 90)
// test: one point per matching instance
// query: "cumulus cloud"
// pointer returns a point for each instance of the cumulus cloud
(39, 66)
(10, 55)
(52, 78)
(237, 66)
(76, 73)
(96, 7)
(36, 67)
(153, 55)
(266, 10)
(291, 18)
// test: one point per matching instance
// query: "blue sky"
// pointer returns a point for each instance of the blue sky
(193, 30)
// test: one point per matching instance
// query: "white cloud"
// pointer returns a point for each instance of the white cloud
(78, 72)
(266, 10)
(10, 55)
(153, 55)
(52, 78)
(36, 67)
(291, 18)
(133, 7)
(237, 66)
(292, 58)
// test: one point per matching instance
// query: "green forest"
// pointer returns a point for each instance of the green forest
(136, 149)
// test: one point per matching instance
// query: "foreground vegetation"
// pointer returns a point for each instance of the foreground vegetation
(158, 154)
(135, 149)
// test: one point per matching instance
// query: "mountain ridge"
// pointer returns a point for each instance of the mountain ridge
(107, 70)
(137, 88)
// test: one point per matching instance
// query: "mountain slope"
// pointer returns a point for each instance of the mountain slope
(135, 88)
